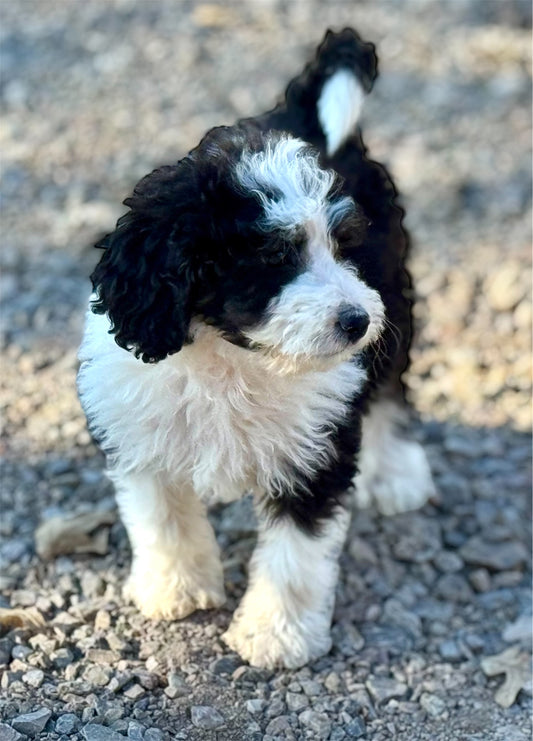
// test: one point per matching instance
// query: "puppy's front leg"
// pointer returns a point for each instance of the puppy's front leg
(285, 615)
(176, 566)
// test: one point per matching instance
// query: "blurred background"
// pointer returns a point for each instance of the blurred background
(96, 94)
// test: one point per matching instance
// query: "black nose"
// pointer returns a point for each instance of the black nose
(353, 322)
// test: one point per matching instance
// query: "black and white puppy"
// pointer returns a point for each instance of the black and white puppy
(249, 326)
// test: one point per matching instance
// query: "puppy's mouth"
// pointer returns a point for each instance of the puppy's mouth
(341, 341)
(322, 355)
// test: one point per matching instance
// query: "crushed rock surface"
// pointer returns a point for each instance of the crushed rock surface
(94, 96)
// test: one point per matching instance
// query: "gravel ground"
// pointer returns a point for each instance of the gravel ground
(95, 95)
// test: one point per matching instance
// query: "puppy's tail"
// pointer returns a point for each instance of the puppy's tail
(326, 99)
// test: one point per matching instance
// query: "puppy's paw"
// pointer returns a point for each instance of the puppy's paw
(403, 482)
(275, 641)
(171, 598)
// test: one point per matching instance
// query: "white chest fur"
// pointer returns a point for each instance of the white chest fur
(214, 414)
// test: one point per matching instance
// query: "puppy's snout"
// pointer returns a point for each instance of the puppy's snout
(353, 321)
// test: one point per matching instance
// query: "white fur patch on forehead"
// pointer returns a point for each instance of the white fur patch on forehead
(290, 184)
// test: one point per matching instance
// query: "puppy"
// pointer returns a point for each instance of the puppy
(248, 330)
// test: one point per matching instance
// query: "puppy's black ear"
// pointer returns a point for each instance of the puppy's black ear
(143, 281)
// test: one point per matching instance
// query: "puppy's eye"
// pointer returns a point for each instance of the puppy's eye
(298, 243)
(284, 250)
(351, 231)
(345, 232)
(276, 258)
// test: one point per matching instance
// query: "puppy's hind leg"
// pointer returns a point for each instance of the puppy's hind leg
(393, 469)
(176, 566)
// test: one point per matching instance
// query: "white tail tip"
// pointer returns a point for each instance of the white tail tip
(339, 108)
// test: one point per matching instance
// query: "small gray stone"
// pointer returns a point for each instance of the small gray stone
(418, 540)
(396, 614)
(333, 682)
(255, 705)
(475, 642)
(177, 685)
(44, 642)
(173, 692)
(97, 675)
(87, 714)
(448, 562)
(120, 725)
(135, 730)
(92, 585)
(296, 701)
(253, 732)
(205, 716)
(135, 692)
(23, 597)
(278, 726)
(384, 688)
(250, 675)
(453, 587)
(102, 656)
(176, 681)
(318, 723)
(111, 713)
(432, 704)
(496, 599)
(8, 678)
(15, 549)
(67, 723)
(362, 552)
(394, 639)
(508, 579)
(153, 734)
(347, 638)
(148, 680)
(520, 630)
(33, 678)
(96, 732)
(9, 734)
(480, 580)
(356, 728)
(450, 651)
(454, 538)
(495, 556)
(311, 687)
(275, 707)
(32, 723)
(118, 681)
(432, 609)
(62, 657)
(6, 649)
(20, 652)
(337, 734)
(225, 665)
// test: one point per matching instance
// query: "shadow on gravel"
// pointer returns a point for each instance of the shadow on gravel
(422, 598)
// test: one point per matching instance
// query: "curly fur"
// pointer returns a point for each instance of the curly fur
(249, 310)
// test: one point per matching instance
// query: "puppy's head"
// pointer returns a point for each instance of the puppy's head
(248, 234)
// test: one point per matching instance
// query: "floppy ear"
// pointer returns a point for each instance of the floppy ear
(143, 280)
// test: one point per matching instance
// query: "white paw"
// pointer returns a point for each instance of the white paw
(278, 642)
(403, 482)
(172, 598)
